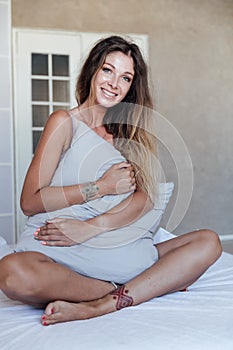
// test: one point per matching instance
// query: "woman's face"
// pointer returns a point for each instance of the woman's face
(114, 79)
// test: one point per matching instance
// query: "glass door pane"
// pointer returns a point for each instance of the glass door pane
(39, 64)
(61, 91)
(60, 64)
(40, 90)
(39, 115)
(50, 82)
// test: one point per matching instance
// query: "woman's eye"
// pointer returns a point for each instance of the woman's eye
(127, 79)
(106, 70)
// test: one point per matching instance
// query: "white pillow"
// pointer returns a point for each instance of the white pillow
(165, 193)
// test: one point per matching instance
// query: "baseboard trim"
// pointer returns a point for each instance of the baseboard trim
(226, 237)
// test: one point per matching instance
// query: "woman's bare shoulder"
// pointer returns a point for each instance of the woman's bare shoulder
(60, 122)
(60, 116)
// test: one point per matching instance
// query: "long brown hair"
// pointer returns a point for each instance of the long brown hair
(131, 122)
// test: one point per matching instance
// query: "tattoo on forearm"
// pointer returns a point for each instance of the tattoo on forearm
(89, 191)
(122, 297)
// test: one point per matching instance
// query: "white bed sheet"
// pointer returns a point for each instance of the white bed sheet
(201, 318)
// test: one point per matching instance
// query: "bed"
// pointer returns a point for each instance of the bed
(201, 318)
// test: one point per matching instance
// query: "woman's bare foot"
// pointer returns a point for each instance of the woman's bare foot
(63, 311)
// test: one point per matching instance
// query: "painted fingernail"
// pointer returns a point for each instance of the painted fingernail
(52, 311)
(43, 317)
(44, 323)
(43, 243)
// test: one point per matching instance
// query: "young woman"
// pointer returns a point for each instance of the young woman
(91, 179)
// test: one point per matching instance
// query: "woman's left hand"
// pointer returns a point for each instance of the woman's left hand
(62, 232)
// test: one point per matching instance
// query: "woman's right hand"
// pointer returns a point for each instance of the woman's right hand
(118, 179)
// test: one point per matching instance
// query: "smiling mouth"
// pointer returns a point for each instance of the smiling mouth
(108, 93)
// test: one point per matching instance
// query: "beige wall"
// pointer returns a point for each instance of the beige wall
(191, 55)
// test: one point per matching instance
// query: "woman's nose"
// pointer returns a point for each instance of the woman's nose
(113, 82)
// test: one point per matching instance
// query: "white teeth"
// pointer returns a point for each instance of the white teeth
(108, 93)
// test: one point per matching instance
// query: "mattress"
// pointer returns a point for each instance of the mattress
(201, 318)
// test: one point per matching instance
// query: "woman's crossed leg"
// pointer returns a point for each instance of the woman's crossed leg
(182, 260)
(35, 279)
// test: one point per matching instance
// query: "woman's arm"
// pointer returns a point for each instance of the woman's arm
(37, 195)
(123, 214)
(68, 232)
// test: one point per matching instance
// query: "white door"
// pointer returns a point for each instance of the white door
(45, 67)
(46, 64)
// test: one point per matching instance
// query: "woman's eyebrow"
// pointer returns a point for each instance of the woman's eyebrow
(110, 64)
